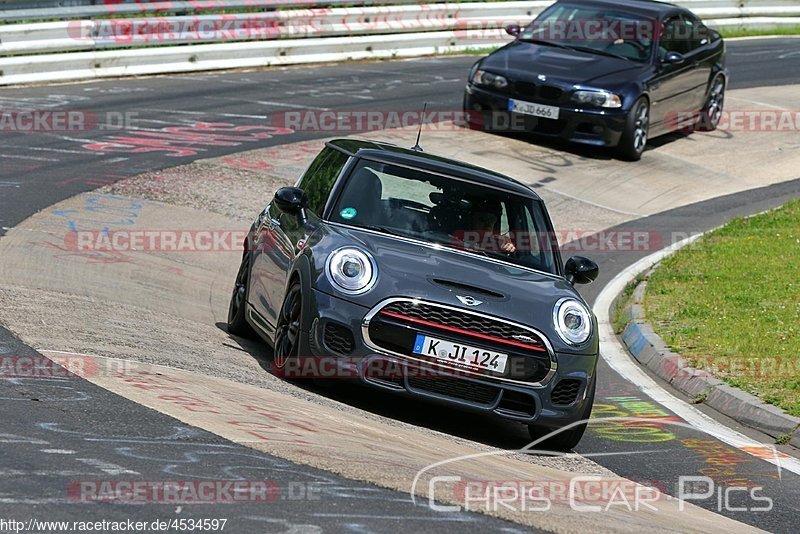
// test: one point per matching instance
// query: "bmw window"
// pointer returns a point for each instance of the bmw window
(594, 30)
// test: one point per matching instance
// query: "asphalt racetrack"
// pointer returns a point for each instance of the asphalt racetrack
(56, 431)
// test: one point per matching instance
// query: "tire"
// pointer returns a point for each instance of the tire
(634, 138)
(568, 439)
(289, 331)
(474, 119)
(237, 322)
(711, 113)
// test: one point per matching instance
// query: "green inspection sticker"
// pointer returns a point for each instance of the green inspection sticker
(348, 213)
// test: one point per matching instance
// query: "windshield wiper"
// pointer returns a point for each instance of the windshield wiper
(544, 42)
(468, 247)
(596, 51)
(465, 246)
(383, 229)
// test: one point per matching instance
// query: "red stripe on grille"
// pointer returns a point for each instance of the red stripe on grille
(457, 330)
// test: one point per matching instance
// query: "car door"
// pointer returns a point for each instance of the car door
(279, 236)
(701, 56)
(671, 87)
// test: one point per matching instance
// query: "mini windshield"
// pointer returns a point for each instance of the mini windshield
(596, 30)
(462, 215)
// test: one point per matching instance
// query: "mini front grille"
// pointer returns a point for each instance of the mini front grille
(396, 325)
(565, 392)
(338, 338)
(474, 324)
(455, 388)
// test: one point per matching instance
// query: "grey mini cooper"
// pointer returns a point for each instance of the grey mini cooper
(422, 276)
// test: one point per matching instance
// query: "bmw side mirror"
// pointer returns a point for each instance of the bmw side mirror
(513, 30)
(581, 270)
(674, 58)
(292, 201)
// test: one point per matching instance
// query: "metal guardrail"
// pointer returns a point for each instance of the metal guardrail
(94, 9)
(20, 10)
(124, 33)
(91, 48)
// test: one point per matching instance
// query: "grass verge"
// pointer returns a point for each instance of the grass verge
(730, 33)
(730, 303)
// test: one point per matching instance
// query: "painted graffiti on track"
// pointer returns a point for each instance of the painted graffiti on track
(185, 140)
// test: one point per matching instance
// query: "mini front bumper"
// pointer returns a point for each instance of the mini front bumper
(395, 374)
(489, 111)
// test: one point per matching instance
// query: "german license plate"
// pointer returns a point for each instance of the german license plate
(459, 354)
(529, 108)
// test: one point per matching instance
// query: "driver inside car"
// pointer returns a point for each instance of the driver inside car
(485, 225)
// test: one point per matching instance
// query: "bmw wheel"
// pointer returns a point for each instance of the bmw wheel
(474, 119)
(634, 138)
(712, 111)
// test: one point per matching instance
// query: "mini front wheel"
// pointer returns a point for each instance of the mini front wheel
(237, 323)
(565, 440)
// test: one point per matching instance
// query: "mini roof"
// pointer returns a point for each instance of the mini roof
(389, 153)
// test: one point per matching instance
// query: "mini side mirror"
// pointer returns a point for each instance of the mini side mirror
(513, 29)
(581, 270)
(674, 58)
(291, 200)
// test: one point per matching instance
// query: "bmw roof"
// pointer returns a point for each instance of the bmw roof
(652, 8)
(389, 153)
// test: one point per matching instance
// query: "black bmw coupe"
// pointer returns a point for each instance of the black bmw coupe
(602, 72)
(423, 276)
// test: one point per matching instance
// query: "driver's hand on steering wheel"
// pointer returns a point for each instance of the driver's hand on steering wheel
(508, 246)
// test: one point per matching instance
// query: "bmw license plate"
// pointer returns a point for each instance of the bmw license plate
(529, 108)
(460, 355)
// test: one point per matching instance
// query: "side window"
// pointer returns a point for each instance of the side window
(697, 33)
(675, 38)
(320, 176)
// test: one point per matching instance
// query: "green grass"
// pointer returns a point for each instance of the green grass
(731, 303)
(740, 32)
(482, 51)
(619, 318)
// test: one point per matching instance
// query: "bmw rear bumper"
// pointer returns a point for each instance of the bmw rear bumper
(556, 402)
(489, 111)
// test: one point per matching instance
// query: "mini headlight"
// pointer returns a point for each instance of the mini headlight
(481, 77)
(598, 99)
(351, 270)
(572, 320)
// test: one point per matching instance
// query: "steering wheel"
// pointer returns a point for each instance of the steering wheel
(412, 204)
(640, 48)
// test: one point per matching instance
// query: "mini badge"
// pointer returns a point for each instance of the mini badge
(348, 213)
